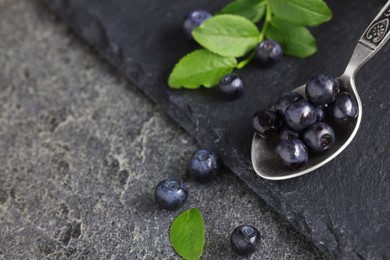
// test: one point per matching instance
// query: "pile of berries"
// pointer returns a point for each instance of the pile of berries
(305, 123)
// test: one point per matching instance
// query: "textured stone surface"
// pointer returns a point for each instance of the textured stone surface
(342, 207)
(81, 151)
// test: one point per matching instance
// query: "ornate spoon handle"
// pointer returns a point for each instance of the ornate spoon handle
(372, 40)
(378, 32)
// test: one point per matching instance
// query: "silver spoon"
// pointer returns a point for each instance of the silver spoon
(264, 158)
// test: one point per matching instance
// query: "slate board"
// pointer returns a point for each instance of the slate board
(343, 208)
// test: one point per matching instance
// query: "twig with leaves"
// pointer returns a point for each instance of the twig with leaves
(230, 37)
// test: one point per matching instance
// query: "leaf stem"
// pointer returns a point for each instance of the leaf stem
(267, 20)
(245, 62)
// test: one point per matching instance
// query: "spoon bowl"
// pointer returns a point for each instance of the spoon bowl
(264, 157)
(263, 152)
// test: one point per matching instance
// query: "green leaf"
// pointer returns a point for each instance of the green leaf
(295, 40)
(253, 10)
(187, 234)
(301, 12)
(200, 67)
(227, 35)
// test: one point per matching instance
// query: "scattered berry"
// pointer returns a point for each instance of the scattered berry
(293, 153)
(322, 89)
(245, 240)
(204, 165)
(288, 134)
(266, 123)
(300, 115)
(232, 86)
(286, 99)
(319, 137)
(171, 194)
(194, 19)
(269, 52)
(344, 109)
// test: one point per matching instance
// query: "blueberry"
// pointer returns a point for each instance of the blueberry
(321, 113)
(269, 52)
(300, 115)
(204, 165)
(286, 99)
(232, 86)
(171, 194)
(293, 153)
(266, 123)
(344, 109)
(288, 134)
(245, 240)
(319, 137)
(194, 19)
(322, 89)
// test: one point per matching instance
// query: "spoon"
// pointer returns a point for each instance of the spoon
(264, 158)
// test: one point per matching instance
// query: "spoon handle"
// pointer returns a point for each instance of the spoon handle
(372, 40)
(378, 32)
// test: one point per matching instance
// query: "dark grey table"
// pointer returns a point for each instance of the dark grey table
(81, 151)
(342, 207)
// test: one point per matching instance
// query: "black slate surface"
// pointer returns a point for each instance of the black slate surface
(342, 207)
